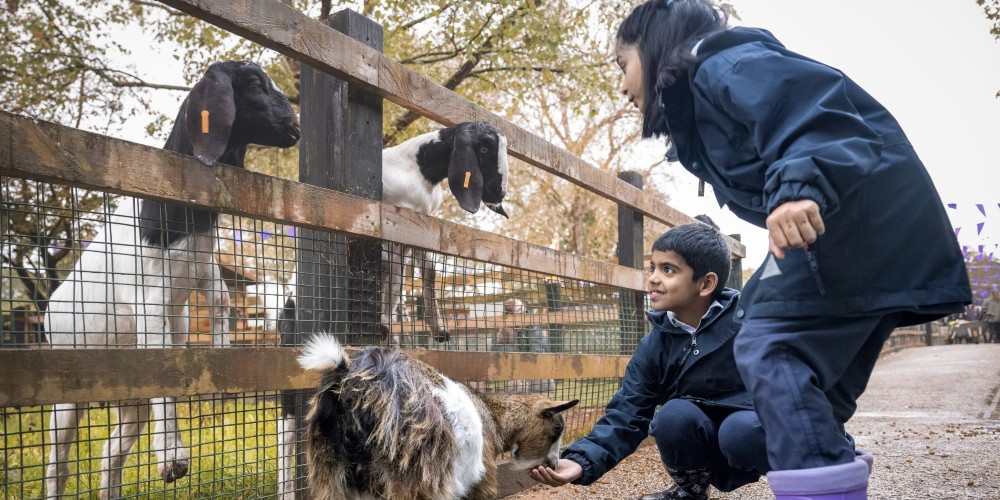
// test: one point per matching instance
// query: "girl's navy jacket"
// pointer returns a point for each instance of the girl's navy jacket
(669, 363)
(764, 125)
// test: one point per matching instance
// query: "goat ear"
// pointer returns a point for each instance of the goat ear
(559, 408)
(211, 111)
(464, 175)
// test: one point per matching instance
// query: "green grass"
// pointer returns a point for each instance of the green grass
(233, 447)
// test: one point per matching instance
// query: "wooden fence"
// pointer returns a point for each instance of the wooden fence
(347, 69)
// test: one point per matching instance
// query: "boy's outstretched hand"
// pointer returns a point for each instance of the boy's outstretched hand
(794, 224)
(566, 471)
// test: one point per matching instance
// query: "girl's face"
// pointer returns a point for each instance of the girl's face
(627, 57)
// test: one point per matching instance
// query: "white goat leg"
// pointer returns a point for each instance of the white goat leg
(151, 326)
(63, 424)
(432, 314)
(171, 454)
(217, 295)
(131, 418)
(286, 457)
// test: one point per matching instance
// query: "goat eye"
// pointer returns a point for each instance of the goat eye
(484, 150)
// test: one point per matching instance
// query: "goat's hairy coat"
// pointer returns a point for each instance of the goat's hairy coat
(385, 425)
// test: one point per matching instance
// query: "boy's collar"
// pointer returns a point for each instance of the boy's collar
(713, 308)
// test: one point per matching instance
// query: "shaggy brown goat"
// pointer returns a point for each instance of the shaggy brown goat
(384, 425)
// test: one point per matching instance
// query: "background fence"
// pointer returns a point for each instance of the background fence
(570, 336)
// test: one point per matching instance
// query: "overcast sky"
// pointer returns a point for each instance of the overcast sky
(934, 65)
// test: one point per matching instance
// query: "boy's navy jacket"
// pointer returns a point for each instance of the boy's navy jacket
(763, 126)
(655, 375)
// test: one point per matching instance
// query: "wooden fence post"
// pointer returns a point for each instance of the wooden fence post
(736, 270)
(631, 320)
(340, 149)
(553, 302)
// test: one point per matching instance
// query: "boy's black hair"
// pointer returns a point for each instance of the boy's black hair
(664, 32)
(702, 247)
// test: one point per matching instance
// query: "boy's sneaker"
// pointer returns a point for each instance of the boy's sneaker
(676, 493)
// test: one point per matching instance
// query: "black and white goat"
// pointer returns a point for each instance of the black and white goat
(131, 286)
(386, 426)
(473, 157)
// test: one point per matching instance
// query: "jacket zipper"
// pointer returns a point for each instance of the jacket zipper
(692, 347)
(814, 266)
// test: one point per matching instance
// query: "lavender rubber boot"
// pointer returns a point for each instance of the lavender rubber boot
(867, 457)
(836, 482)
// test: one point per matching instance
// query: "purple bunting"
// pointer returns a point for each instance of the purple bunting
(290, 231)
(957, 229)
(266, 234)
(979, 228)
(952, 205)
(981, 208)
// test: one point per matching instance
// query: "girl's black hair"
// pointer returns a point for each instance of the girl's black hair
(664, 32)
(702, 247)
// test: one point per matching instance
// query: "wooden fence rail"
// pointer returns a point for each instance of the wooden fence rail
(87, 375)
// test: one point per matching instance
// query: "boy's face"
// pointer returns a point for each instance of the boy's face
(671, 283)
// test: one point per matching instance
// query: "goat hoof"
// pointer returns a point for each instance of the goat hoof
(174, 471)
(442, 336)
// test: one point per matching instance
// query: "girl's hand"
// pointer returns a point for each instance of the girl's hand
(794, 224)
(565, 472)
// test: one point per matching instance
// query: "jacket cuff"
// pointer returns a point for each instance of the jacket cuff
(588, 476)
(792, 191)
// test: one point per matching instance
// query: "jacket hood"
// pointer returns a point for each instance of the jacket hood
(721, 40)
(659, 318)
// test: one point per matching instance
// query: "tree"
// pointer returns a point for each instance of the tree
(44, 227)
(992, 10)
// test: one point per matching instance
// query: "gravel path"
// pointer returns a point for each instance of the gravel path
(930, 416)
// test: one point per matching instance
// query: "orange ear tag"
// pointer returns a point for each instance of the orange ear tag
(467, 175)
(204, 121)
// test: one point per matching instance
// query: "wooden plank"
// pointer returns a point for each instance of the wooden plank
(290, 32)
(45, 376)
(54, 153)
(458, 326)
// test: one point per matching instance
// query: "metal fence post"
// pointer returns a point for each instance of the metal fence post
(340, 149)
(630, 254)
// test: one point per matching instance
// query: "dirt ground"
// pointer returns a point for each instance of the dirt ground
(930, 416)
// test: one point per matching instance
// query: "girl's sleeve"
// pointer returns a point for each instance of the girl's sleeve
(624, 425)
(804, 126)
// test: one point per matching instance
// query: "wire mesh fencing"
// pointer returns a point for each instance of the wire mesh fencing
(85, 270)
